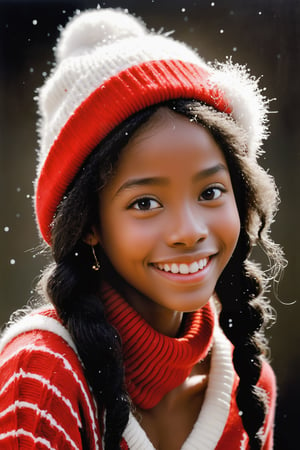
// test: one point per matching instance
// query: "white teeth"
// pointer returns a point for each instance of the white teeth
(184, 268)
(174, 268)
(194, 267)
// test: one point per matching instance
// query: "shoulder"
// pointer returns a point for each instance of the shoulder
(42, 382)
(41, 345)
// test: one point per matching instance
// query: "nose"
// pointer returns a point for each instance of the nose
(187, 227)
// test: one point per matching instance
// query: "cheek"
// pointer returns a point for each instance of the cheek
(126, 239)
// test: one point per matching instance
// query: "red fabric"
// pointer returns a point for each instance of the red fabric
(154, 363)
(118, 98)
(45, 401)
(44, 397)
(234, 427)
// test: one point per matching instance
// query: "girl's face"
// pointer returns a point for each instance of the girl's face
(168, 217)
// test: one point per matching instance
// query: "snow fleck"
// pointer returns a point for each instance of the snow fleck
(212, 4)
(12, 261)
(34, 22)
(183, 10)
(6, 229)
(259, 13)
(31, 70)
(27, 195)
(221, 31)
(234, 49)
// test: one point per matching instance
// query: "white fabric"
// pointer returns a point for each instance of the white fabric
(212, 419)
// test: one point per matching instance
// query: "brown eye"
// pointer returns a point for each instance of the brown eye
(212, 193)
(145, 204)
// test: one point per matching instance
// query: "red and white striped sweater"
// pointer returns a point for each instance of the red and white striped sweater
(46, 403)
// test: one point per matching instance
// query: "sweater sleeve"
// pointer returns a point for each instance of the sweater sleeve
(45, 402)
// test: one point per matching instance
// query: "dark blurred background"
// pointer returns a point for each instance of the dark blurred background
(264, 34)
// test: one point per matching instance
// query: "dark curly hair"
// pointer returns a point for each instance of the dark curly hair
(73, 287)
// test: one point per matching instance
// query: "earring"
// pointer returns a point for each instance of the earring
(96, 266)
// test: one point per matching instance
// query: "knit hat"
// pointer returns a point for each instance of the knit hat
(109, 66)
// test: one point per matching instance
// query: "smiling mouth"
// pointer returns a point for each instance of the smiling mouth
(184, 269)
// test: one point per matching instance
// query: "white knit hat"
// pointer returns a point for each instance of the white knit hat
(109, 66)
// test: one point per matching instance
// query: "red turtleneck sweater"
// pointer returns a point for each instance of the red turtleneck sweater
(46, 403)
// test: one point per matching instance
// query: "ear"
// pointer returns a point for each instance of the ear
(92, 237)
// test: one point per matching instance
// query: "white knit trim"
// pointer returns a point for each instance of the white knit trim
(135, 436)
(213, 416)
(36, 321)
(33, 376)
(21, 432)
(48, 417)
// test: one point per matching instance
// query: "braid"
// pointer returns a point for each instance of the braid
(97, 342)
(242, 318)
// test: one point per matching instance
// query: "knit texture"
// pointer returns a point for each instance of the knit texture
(109, 66)
(154, 363)
(45, 402)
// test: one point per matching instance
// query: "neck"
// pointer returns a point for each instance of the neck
(161, 319)
(154, 362)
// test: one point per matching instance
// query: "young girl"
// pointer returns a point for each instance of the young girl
(151, 198)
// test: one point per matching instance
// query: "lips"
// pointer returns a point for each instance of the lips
(184, 268)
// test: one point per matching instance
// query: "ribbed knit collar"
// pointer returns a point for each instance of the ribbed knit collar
(154, 363)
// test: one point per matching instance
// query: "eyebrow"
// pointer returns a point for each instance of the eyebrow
(211, 171)
(162, 181)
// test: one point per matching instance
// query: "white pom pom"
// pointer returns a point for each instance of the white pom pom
(94, 28)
